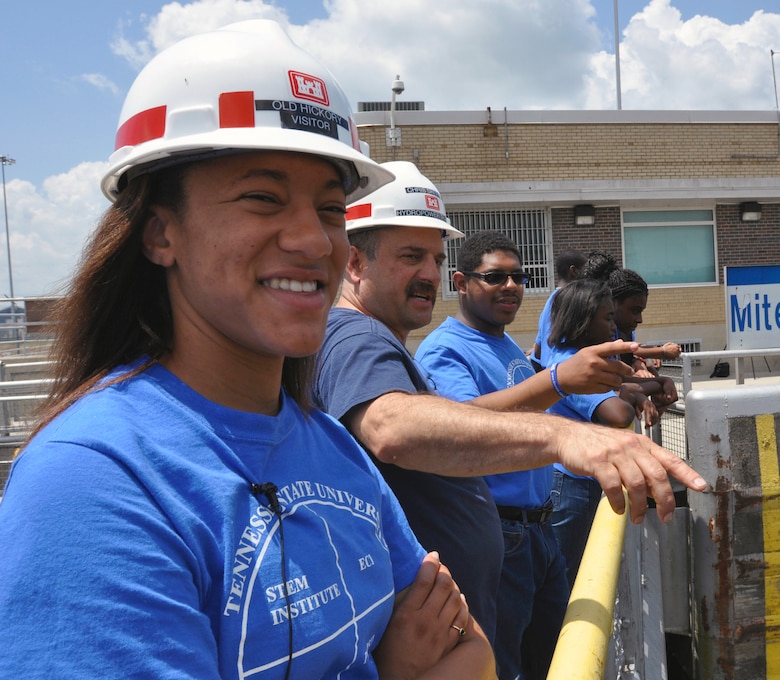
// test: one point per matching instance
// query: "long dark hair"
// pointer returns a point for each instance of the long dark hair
(573, 308)
(117, 309)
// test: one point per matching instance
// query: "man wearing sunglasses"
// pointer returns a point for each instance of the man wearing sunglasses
(469, 356)
(433, 450)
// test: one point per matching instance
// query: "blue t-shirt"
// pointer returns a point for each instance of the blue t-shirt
(361, 360)
(543, 331)
(575, 406)
(133, 544)
(466, 363)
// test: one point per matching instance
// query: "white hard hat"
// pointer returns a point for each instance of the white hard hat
(410, 200)
(242, 87)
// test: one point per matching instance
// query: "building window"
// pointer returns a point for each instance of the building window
(529, 229)
(671, 246)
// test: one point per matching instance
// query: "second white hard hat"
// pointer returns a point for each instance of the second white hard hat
(410, 200)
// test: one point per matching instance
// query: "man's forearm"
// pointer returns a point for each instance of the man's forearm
(433, 434)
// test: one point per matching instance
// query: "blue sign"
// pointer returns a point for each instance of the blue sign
(753, 307)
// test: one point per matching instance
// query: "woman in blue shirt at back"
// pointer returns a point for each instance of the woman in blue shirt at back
(583, 314)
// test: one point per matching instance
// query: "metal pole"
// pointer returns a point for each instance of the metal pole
(777, 108)
(5, 160)
(393, 133)
(392, 122)
(617, 56)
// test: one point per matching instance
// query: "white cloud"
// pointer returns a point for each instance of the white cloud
(522, 54)
(100, 81)
(463, 55)
(176, 21)
(701, 63)
(49, 227)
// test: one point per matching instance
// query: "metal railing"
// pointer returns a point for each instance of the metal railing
(740, 356)
(694, 370)
(22, 388)
(582, 649)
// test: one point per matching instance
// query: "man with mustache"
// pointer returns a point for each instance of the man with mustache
(433, 451)
(389, 289)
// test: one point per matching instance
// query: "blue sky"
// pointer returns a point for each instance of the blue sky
(67, 65)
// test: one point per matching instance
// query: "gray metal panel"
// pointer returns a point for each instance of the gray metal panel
(638, 646)
(728, 564)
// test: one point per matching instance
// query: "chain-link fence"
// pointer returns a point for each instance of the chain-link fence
(671, 430)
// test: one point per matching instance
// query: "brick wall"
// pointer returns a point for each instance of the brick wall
(605, 235)
(742, 244)
(599, 151)
(619, 152)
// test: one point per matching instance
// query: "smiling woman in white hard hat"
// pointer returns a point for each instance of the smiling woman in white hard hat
(181, 511)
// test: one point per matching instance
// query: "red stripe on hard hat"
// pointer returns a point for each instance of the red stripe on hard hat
(357, 212)
(236, 109)
(142, 127)
(353, 132)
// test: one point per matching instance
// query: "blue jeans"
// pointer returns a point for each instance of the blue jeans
(575, 500)
(532, 599)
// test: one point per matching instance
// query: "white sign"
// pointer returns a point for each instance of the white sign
(753, 307)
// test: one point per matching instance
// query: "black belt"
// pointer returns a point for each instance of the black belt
(526, 516)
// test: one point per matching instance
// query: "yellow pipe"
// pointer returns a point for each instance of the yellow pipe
(770, 486)
(581, 652)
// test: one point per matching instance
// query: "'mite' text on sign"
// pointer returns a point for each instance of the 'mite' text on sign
(753, 307)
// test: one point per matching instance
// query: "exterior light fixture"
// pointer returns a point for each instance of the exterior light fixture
(750, 211)
(584, 215)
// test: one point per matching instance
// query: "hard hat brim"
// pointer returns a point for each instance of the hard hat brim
(163, 152)
(448, 231)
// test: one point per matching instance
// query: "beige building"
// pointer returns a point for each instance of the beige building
(670, 194)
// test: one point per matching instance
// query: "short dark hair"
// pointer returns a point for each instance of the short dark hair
(367, 240)
(571, 257)
(573, 307)
(483, 242)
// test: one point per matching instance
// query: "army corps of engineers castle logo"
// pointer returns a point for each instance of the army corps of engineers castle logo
(308, 87)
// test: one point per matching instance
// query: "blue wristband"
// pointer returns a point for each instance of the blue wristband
(556, 385)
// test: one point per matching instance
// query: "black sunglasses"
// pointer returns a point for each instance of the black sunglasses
(499, 278)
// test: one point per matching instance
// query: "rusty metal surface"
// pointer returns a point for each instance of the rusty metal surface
(728, 560)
